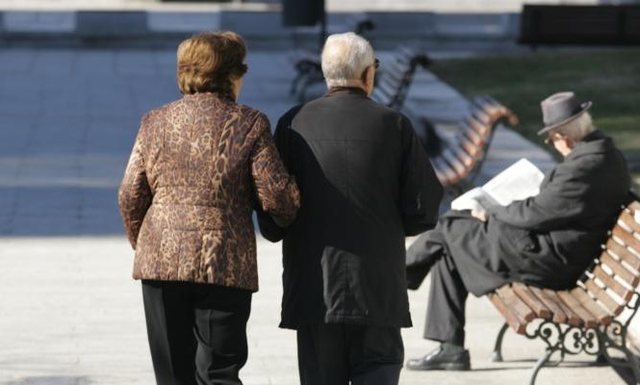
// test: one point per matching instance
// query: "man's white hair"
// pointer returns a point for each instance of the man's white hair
(345, 57)
(578, 128)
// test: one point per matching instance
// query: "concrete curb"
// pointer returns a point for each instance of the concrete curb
(263, 28)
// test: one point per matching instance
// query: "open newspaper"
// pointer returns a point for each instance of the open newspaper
(518, 181)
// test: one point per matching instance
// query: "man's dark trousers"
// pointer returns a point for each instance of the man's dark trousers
(447, 299)
(447, 295)
(334, 354)
(197, 332)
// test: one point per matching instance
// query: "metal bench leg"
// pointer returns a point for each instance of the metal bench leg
(541, 362)
(497, 348)
(614, 337)
(634, 363)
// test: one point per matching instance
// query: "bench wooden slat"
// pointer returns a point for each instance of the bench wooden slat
(392, 78)
(449, 176)
(468, 132)
(480, 128)
(517, 323)
(559, 315)
(494, 110)
(387, 92)
(395, 72)
(631, 277)
(441, 177)
(573, 318)
(623, 254)
(462, 156)
(590, 304)
(471, 148)
(624, 293)
(603, 297)
(454, 162)
(629, 221)
(626, 237)
(588, 319)
(481, 116)
(538, 306)
(516, 304)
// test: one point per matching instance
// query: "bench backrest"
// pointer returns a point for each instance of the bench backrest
(462, 159)
(392, 85)
(615, 275)
(579, 24)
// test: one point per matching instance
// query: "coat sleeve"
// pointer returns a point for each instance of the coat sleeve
(268, 226)
(277, 192)
(135, 195)
(421, 190)
(560, 201)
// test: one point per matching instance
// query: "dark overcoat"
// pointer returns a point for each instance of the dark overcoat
(365, 183)
(548, 240)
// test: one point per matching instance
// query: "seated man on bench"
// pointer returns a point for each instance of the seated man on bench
(547, 240)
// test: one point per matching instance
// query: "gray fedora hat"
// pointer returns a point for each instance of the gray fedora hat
(561, 108)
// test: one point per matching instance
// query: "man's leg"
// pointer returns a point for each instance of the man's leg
(322, 354)
(376, 355)
(445, 320)
(169, 315)
(221, 315)
(446, 307)
(423, 253)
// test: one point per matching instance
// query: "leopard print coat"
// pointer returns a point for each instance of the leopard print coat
(198, 168)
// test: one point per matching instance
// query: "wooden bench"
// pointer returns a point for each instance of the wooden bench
(457, 161)
(395, 77)
(308, 67)
(580, 24)
(593, 317)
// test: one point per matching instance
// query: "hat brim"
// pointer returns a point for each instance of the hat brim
(583, 108)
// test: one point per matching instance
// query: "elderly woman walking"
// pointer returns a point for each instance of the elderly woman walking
(198, 168)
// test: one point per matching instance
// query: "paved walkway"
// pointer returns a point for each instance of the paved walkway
(69, 314)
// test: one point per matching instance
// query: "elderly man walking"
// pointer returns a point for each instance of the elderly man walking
(366, 183)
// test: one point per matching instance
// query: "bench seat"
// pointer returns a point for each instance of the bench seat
(589, 318)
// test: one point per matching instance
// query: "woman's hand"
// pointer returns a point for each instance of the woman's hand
(479, 214)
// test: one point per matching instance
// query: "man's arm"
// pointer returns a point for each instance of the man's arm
(560, 201)
(278, 195)
(421, 190)
(269, 229)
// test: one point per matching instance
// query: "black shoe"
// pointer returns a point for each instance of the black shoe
(439, 360)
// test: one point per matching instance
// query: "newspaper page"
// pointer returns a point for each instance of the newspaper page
(518, 181)
(474, 199)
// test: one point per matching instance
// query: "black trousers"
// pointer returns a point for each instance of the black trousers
(335, 354)
(447, 294)
(197, 332)
(446, 307)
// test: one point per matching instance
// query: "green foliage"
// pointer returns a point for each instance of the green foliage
(609, 78)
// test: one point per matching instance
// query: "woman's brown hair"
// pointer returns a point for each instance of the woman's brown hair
(209, 61)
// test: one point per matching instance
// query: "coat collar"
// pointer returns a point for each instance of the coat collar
(210, 95)
(594, 143)
(346, 91)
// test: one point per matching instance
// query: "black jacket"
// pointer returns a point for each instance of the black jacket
(548, 240)
(365, 183)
